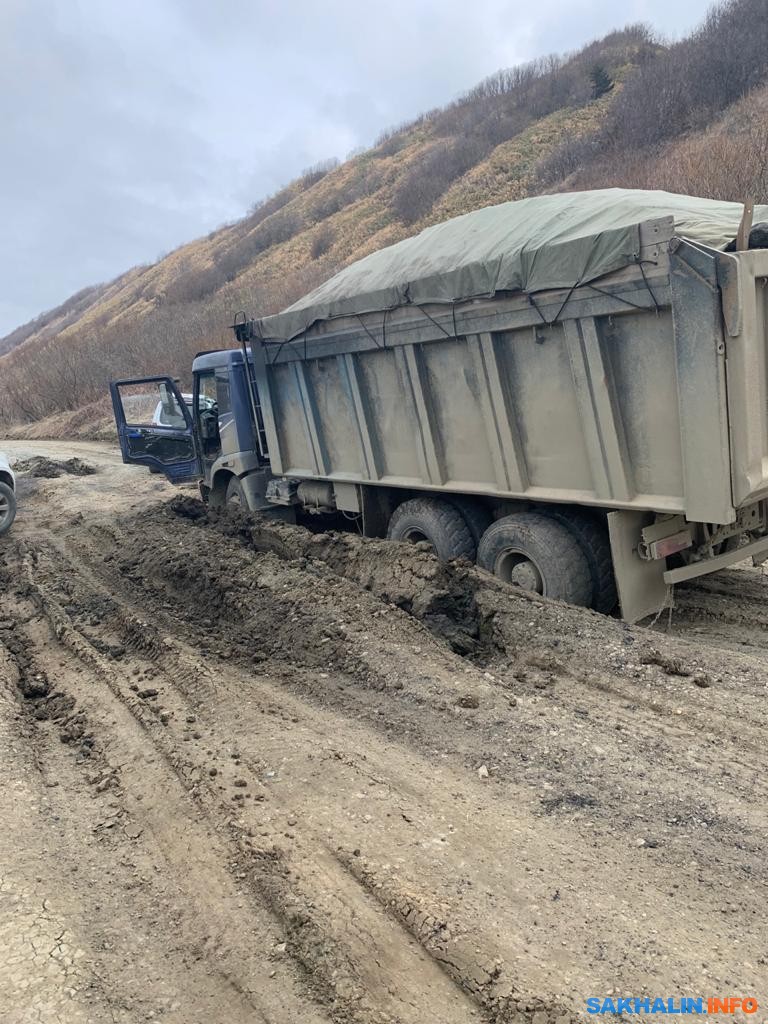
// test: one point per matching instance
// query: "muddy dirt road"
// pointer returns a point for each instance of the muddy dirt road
(253, 773)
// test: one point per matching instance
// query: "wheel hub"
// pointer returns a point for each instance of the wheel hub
(417, 537)
(520, 571)
(525, 574)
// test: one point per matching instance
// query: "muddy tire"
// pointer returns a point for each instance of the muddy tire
(236, 494)
(476, 516)
(592, 536)
(437, 522)
(533, 551)
(7, 508)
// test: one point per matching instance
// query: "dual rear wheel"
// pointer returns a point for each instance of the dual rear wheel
(560, 553)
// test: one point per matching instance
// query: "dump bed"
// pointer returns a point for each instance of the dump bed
(646, 388)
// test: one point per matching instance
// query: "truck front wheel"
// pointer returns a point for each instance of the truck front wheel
(437, 522)
(236, 494)
(532, 551)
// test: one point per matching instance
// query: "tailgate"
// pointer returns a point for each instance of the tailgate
(743, 279)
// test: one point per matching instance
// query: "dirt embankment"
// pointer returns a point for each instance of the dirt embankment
(307, 776)
(94, 421)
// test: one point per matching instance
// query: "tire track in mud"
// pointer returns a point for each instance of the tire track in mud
(379, 978)
(460, 965)
(200, 898)
(409, 881)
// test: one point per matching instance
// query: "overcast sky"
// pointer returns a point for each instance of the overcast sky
(131, 126)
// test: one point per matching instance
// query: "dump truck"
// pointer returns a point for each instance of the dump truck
(569, 390)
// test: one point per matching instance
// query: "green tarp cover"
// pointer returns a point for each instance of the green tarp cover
(556, 241)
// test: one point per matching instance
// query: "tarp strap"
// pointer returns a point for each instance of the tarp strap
(648, 283)
(594, 287)
(566, 300)
(279, 350)
(370, 335)
(628, 302)
(438, 325)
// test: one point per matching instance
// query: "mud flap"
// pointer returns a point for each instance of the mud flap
(254, 486)
(640, 584)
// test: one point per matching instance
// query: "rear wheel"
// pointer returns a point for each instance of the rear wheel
(7, 507)
(532, 551)
(476, 515)
(236, 494)
(593, 540)
(436, 522)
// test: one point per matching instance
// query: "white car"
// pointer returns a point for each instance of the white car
(7, 495)
(162, 419)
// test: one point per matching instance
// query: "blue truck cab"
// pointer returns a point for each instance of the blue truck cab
(218, 440)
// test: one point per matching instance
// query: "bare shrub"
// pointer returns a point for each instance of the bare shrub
(279, 227)
(324, 238)
(327, 204)
(573, 153)
(429, 177)
(508, 101)
(694, 79)
(312, 175)
(194, 284)
(728, 161)
(264, 208)
(392, 140)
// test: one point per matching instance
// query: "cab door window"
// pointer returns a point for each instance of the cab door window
(208, 414)
(146, 406)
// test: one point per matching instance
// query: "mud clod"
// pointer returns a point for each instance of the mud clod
(34, 686)
(468, 700)
(671, 665)
(41, 467)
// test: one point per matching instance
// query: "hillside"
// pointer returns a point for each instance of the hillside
(626, 110)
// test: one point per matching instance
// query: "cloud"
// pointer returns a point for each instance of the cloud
(131, 128)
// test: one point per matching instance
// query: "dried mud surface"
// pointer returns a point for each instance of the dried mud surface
(258, 773)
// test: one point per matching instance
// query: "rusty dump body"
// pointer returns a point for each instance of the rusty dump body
(643, 394)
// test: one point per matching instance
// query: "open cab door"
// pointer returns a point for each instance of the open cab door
(155, 427)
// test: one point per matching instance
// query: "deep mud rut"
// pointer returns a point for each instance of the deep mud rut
(254, 773)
